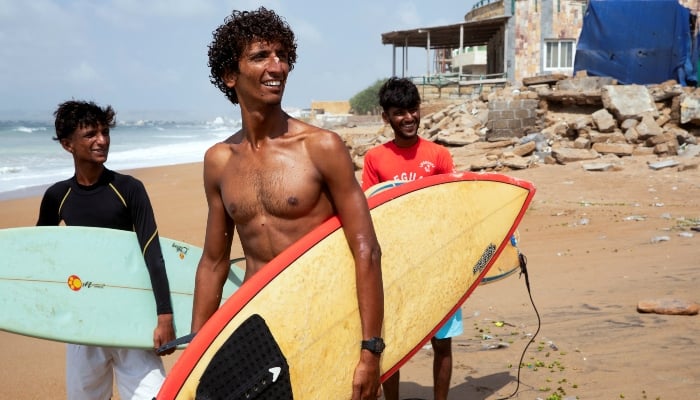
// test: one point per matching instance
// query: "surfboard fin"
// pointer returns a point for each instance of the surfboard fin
(249, 365)
(174, 343)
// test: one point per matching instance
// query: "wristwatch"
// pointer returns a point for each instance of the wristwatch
(375, 345)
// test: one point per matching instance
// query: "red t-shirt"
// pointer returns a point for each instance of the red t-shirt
(389, 162)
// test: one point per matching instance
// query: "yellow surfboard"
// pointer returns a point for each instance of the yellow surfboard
(439, 235)
(507, 263)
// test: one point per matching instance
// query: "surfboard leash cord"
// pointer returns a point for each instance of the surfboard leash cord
(523, 272)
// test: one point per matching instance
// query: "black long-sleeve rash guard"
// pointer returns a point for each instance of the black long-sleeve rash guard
(116, 201)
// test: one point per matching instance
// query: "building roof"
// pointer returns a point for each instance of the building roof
(476, 33)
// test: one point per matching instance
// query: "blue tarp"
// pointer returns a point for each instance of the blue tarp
(637, 42)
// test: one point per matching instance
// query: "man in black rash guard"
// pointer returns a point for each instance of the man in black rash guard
(98, 197)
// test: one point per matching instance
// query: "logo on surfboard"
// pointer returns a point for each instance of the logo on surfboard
(181, 250)
(484, 259)
(75, 283)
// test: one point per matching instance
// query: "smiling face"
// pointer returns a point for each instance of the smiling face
(234, 38)
(263, 71)
(88, 144)
(404, 122)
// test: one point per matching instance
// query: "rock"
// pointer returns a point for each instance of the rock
(456, 138)
(619, 149)
(668, 306)
(604, 121)
(666, 149)
(565, 155)
(658, 139)
(585, 83)
(525, 149)
(628, 123)
(643, 151)
(614, 137)
(589, 97)
(497, 144)
(665, 90)
(648, 128)
(663, 164)
(600, 166)
(631, 135)
(628, 101)
(536, 80)
(516, 162)
(690, 108)
(582, 143)
(567, 120)
(482, 163)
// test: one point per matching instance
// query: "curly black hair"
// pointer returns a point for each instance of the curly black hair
(399, 92)
(238, 31)
(75, 114)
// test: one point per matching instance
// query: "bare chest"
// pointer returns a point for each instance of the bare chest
(277, 184)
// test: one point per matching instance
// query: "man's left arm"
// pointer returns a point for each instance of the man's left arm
(149, 241)
(334, 162)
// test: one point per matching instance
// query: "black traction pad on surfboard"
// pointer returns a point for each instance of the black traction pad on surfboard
(250, 365)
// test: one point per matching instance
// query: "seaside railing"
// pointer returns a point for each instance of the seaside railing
(475, 81)
(442, 80)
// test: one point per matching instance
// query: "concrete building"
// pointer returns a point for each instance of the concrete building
(521, 38)
(468, 61)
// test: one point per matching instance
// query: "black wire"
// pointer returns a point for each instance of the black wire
(523, 271)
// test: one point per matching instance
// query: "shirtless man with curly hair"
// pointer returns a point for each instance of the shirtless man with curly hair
(278, 178)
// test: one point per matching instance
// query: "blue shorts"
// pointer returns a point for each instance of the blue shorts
(453, 327)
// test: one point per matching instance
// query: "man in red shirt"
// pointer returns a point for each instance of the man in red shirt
(406, 158)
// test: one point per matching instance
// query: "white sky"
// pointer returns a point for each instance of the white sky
(148, 59)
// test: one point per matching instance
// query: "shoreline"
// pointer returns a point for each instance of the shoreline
(30, 191)
(38, 190)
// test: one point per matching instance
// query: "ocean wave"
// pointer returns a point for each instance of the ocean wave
(171, 136)
(159, 124)
(27, 179)
(11, 170)
(28, 160)
(168, 154)
(28, 129)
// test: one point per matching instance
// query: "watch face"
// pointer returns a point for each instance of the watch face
(379, 345)
(375, 345)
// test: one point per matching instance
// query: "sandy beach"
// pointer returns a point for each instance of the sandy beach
(597, 243)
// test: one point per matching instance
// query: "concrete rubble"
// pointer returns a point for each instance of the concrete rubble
(578, 119)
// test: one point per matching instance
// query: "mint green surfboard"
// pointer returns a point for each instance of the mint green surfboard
(91, 286)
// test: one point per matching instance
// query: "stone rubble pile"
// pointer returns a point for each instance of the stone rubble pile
(582, 118)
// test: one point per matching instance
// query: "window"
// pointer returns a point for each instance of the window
(558, 55)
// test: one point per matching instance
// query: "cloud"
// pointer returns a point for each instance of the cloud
(83, 73)
(153, 54)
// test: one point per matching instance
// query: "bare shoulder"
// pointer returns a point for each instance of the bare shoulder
(316, 138)
(221, 151)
